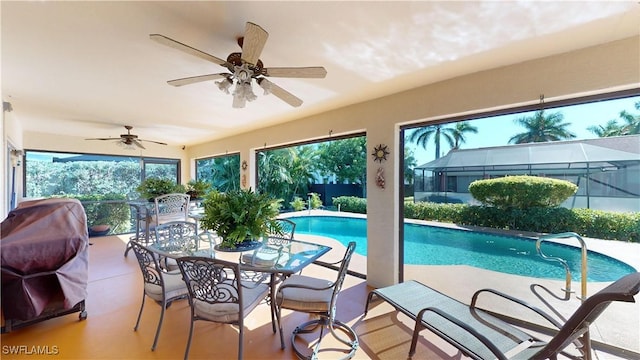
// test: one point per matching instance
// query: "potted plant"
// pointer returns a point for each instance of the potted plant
(240, 217)
(153, 187)
(197, 189)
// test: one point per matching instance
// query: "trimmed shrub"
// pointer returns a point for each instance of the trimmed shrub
(585, 222)
(522, 192)
(351, 204)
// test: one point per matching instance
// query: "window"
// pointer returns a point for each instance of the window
(67, 174)
(222, 172)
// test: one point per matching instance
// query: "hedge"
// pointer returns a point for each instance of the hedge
(585, 222)
(522, 191)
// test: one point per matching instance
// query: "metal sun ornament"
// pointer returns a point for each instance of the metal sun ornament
(380, 153)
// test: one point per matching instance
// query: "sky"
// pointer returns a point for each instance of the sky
(497, 131)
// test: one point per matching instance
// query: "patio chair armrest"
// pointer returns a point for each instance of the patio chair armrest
(538, 311)
(452, 319)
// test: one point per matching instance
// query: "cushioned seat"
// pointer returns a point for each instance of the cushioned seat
(161, 286)
(317, 296)
(217, 294)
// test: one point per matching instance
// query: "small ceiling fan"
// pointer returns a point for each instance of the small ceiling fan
(129, 140)
(243, 67)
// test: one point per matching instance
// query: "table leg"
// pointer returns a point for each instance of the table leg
(272, 287)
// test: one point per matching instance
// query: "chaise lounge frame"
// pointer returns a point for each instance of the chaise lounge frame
(481, 335)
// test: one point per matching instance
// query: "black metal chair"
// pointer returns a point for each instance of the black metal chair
(161, 286)
(216, 294)
(316, 296)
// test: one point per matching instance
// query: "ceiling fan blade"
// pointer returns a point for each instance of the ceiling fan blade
(155, 142)
(296, 72)
(283, 94)
(196, 79)
(103, 139)
(254, 39)
(137, 143)
(188, 49)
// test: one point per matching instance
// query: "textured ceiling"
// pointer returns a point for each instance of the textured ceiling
(88, 68)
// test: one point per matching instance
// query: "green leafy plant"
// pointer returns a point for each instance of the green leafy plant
(106, 211)
(297, 204)
(153, 187)
(522, 192)
(197, 188)
(240, 215)
(316, 203)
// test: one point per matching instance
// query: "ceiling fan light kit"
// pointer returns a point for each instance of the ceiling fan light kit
(243, 67)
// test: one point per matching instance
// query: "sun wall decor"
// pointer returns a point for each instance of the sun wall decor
(380, 153)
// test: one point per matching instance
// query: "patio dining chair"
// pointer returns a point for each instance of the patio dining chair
(161, 286)
(183, 236)
(217, 294)
(319, 297)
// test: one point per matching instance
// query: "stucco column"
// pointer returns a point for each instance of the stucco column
(382, 207)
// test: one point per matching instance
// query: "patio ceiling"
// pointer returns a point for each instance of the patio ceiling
(87, 68)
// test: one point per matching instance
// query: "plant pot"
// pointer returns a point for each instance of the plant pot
(240, 247)
(99, 230)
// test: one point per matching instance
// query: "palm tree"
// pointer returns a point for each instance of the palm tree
(610, 129)
(541, 128)
(633, 121)
(458, 132)
(421, 136)
(454, 136)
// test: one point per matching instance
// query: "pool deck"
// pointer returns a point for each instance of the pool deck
(618, 326)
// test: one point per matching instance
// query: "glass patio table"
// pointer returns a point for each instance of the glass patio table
(277, 257)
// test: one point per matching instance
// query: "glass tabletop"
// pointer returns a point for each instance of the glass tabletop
(276, 255)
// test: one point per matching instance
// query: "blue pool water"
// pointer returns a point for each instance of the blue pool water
(430, 245)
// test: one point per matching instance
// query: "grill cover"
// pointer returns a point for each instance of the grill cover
(45, 257)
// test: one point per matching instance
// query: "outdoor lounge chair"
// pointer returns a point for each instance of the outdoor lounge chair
(480, 335)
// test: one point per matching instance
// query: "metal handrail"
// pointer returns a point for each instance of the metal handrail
(583, 267)
(586, 338)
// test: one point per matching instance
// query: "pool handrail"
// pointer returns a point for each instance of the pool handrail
(583, 265)
(583, 276)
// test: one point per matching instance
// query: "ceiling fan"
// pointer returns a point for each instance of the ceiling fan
(243, 67)
(129, 140)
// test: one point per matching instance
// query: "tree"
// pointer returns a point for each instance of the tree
(633, 121)
(303, 164)
(421, 136)
(346, 159)
(222, 172)
(612, 128)
(410, 163)
(273, 173)
(541, 128)
(458, 132)
(454, 136)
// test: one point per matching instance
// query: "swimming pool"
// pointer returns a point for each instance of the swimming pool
(431, 245)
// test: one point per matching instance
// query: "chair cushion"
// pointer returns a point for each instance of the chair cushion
(229, 312)
(262, 259)
(305, 300)
(173, 284)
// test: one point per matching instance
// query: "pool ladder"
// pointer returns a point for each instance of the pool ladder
(585, 347)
